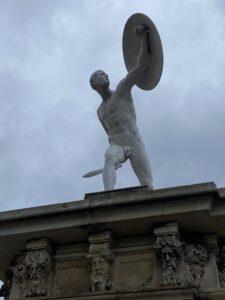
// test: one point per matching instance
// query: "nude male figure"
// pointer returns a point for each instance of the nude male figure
(117, 115)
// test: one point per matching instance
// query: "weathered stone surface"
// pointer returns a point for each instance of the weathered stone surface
(134, 271)
(211, 280)
(148, 294)
(168, 248)
(101, 257)
(71, 277)
(196, 256)
(221, 266)
(132, 243)
(218, 294)
(32, 270)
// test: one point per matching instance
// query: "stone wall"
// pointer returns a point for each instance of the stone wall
(107, 263)
(111, 261)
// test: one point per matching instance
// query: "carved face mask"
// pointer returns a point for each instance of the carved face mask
(168, 258)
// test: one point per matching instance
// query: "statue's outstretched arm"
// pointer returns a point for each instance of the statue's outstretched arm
(142, 61)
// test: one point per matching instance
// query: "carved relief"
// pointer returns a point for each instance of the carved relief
(196, 257)
(6, 287)
(33, 272)
(168, 249)
(101, 257)
(221, 267)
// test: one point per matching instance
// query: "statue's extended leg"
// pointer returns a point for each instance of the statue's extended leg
(114, 155)
(140, 164)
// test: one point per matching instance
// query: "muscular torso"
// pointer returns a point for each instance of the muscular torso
(117, 115)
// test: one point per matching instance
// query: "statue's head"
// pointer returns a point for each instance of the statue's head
(99, 80)
(168, 257)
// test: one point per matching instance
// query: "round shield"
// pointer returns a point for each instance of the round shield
(131, 49)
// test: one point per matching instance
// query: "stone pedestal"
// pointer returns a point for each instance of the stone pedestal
(132, 243)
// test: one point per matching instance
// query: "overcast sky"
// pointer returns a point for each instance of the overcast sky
(49, 132)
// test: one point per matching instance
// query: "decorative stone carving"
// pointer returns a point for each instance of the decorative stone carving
(211, 278)
(196, 257)
(101, 257)
(221, 267)
(6, 287)
(34, 270)
(168, 249)
(211, 241)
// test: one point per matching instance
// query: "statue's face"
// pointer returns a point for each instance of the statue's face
(99, 265)
(35, 271)
(168, 258)
(99, 80)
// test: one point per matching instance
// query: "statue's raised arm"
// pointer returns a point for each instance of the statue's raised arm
(143, 60)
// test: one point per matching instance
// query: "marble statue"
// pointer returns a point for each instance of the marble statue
(117, 113)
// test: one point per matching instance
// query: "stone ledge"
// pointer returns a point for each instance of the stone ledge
(128, 212)
(218, 294)
(173, 293)
(114, 198)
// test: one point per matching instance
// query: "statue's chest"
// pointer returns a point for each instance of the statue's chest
(113, 106)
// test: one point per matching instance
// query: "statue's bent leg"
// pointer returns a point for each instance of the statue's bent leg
(114, 155)
(140, 164)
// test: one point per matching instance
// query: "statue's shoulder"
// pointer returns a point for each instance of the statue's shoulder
(121, 87)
